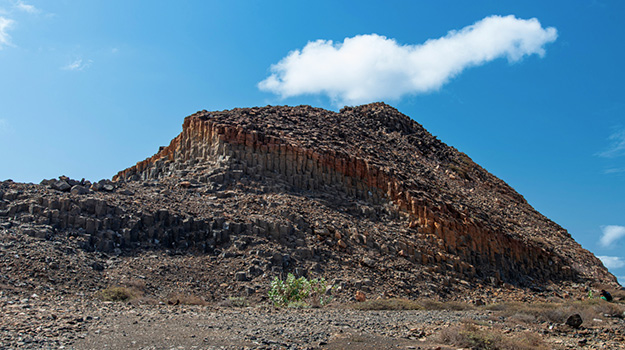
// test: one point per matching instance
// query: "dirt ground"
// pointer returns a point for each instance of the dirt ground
(86, 323)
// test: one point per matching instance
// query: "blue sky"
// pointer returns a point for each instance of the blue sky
(88, 88)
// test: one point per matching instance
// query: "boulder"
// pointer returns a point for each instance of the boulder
(574, 321)
(78, 190)
(240, 276)
(60, 185)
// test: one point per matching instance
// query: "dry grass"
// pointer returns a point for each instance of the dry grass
(550, 312)
(406, 304)
(388, 304)
(554, 312)
(235, 302)
(446, 305)
(473, 336)
(619, 296)
(185, 299)
(117, 293)
(520, 318)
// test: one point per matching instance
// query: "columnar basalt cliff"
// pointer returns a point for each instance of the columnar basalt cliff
(365, 198)
(455, 215)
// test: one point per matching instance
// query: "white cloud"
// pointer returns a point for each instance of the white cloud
(617, 145)
(612, 262)
(5, 25)
(22, 6)
(614, 171)
(77, 65)
(371, 67)
(611, 234)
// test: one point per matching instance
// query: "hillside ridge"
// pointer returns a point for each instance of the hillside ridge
(365, 198)
(375, 153)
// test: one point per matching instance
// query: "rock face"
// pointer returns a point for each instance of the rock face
(366, 198)
(374, 153)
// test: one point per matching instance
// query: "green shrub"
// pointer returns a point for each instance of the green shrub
(298, 292)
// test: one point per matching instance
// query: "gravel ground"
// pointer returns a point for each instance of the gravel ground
(85, 323)
(191, 327)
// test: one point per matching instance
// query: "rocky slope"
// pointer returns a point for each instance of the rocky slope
(455, 212)
(366, 198)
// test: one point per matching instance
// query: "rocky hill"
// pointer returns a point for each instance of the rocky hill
(451, 211)
(366, 198)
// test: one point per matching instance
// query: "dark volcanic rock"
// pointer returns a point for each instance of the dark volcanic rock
(61, 185)
(366, 198)
(574, 321)
(376, 155)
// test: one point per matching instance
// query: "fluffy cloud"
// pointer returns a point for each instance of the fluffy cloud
(371, 67)
(617, 145)
(77, 65)
(611, 234)
(5, 25)
(22, 6)
(612, 262)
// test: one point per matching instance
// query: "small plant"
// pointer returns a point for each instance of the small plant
(118, 294)
(237, 302)
(298, 292)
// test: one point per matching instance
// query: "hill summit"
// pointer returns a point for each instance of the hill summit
(365, 197)
(375, 163)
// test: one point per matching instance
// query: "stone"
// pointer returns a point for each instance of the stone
(240, 276)
(97, 266)
(79, 190)
(574, 321)
(60, 185)
(368, 262)
(360, 297)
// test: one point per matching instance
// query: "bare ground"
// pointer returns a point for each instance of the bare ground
(87, 323)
